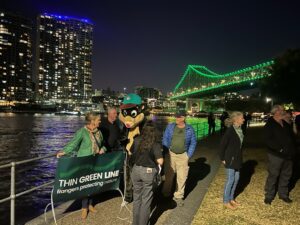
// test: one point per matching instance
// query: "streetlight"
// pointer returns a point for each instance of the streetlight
(125, 89)
(269, 100)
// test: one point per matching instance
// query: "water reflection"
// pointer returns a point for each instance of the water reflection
(24, 136)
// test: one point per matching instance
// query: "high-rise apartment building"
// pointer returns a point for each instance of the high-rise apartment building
(64, 58)
(15, 57)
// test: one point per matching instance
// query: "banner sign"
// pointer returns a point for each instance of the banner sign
(78, 177)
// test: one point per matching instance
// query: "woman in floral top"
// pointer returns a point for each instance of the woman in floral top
(86, 141)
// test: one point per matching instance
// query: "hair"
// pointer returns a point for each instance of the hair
(148, 136)
(229, 121)
(275, 108)
(91, 116)
(111, 108)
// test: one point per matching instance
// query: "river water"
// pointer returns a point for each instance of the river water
(24, 136)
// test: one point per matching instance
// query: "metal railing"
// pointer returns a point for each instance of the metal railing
(13, 194)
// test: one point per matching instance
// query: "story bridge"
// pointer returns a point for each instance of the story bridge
(198, 81)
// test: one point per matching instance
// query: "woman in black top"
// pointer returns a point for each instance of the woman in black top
(231, 156)
(147, 155)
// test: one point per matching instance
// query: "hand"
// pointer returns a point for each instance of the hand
(101, 151)
(60, 154)
(224, 162)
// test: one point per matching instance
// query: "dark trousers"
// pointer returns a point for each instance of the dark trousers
(128, 182)
(86, 202)
(211, 128)
(142, 179)
(279, 170)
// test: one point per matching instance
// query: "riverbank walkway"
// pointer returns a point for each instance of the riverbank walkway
(204, 166)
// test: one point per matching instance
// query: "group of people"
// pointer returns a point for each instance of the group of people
(145, 157)
(179, 141)
(280, 139)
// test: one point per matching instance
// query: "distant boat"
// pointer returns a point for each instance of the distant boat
(73, 113)
(33, 107)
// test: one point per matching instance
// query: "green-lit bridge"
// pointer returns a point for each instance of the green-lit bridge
(199, 81)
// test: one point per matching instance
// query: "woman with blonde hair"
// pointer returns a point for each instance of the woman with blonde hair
(87, 141)
(231, 156)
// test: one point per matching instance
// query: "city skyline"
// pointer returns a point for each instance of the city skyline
(151, 44)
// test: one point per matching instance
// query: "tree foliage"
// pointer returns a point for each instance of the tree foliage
(284, 84)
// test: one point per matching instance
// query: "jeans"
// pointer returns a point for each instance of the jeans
(142, 179)
(233, 177)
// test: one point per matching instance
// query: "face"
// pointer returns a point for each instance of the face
(131, 117)
(96, 122)
(112, 115)
(180, 120)
(239, 120)
(280, 112)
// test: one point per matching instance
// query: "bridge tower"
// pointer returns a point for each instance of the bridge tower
(194, 104)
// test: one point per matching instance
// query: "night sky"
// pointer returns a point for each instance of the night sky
(150, 43)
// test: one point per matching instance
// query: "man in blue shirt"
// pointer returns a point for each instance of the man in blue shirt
(180, 141)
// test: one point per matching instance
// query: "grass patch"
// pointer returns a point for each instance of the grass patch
(253, 211)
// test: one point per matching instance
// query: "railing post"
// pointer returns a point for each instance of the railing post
(12, 193)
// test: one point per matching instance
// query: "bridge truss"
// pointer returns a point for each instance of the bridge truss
(199, 80)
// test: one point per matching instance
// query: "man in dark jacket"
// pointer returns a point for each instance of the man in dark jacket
(111, 131)
(281, 148)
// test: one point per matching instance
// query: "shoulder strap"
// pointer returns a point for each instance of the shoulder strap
(97, 140)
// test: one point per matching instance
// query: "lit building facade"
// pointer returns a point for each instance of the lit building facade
(146, 92)
(149, 95)
(15, 57)
(64, 58)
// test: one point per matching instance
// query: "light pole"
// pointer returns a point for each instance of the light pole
(269, 100)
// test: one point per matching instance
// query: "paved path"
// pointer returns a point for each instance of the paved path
(203, 167)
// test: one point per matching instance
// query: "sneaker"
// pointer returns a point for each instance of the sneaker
(268, 201)
(286, 199)
(179, 201)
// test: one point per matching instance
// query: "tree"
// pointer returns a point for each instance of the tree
(283, 85)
